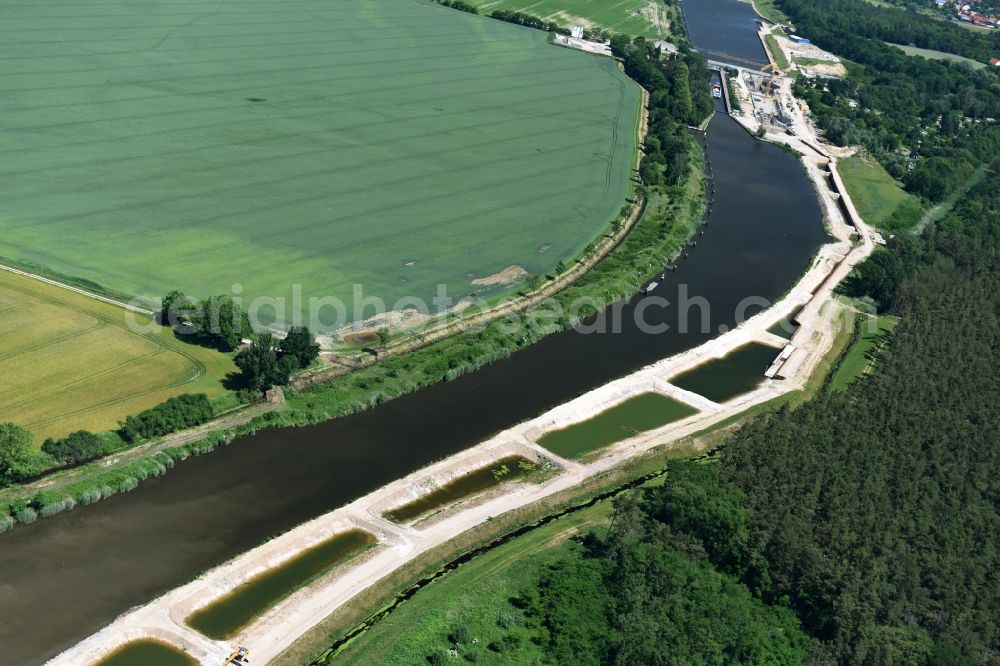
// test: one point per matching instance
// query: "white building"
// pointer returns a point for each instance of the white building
(576, 32)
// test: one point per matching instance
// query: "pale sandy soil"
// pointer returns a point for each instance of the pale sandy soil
(509, 275)
(584, 45)
(826, 69)
(831, 65)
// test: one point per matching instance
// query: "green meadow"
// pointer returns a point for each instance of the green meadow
(939, 55)
(880, 200)
(397, 144)
(862, 356)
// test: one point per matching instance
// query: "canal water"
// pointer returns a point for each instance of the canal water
(67, 576)
(502, 471)
(738, 372)
(228, 615)
(642, 413)
(725, 30)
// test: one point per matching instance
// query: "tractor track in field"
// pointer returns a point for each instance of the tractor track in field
(75, 383)
(614, 138)
(51, 341)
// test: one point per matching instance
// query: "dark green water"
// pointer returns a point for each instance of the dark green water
(785, 328)
(226, 616)
(639, 414)
(147, 653)
(739, 372)
(462, 487)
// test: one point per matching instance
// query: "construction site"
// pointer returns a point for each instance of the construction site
(760, 100)
(810, 304)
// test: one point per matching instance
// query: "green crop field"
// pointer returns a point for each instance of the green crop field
(874, 192)
(396, 144)
(631, 17)
(70, 362)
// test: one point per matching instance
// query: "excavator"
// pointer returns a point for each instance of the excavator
(240, 655)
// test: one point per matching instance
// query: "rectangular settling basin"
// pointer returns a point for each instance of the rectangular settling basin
(736, 373)
(467, 485)
(644, 412)
(147, 653)
(785, 328)
(226, 616)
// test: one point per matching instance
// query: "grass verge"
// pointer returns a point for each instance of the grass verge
(769, 10)
(776, 52)
(873, 333)
(880, 200)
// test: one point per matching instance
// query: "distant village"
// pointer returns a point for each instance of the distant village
(977, 13)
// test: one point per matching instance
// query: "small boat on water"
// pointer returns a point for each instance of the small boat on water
(716, 91)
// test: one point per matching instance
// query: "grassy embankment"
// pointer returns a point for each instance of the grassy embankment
(70, 362)
(776, 51)
(808, 62)
(859, 359)
(476, 595)
(769, 10)
(880, 200)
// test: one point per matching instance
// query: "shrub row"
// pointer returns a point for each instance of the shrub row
(103, 485)
(460, 5)
(183, 411)
(528, 21)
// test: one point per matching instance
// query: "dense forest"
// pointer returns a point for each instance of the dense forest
(867, 520)
(930, 123)
(678, 96)
(866, 20)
